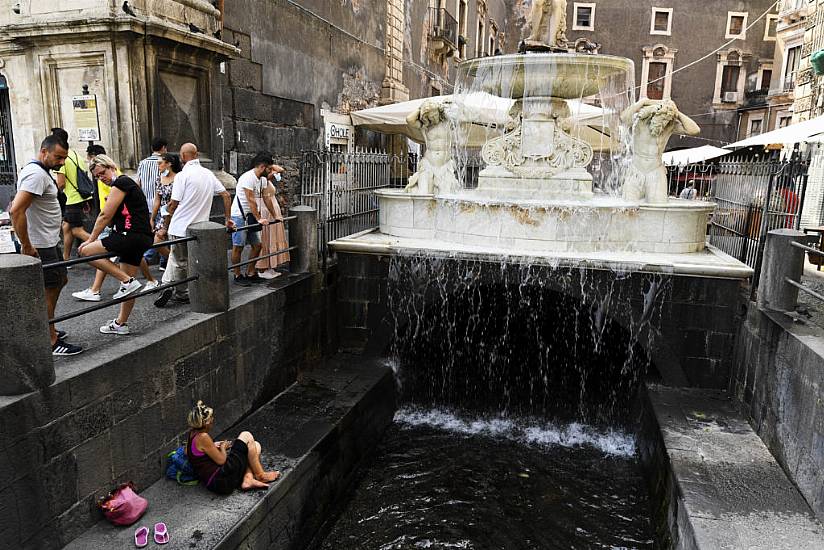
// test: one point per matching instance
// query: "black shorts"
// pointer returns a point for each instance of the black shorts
(230, 475)
(76, 215)
(56, 277)
(129, 247)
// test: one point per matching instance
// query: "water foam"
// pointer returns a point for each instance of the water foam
(528, 432)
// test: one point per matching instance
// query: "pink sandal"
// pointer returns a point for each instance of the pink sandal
(161, 535)
(141, 537)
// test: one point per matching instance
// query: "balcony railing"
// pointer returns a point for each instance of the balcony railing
(444, 26)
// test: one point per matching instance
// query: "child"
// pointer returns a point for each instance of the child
(224, 465)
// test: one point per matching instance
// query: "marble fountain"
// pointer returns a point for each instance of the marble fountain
(535, 200)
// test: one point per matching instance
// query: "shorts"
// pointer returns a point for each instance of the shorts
(56, 277)
(129, 247)
(244, 237)
(77, 215)
(230, 475)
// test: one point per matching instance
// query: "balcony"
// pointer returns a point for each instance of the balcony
(444, 33)
(791, 11)
(755, 98)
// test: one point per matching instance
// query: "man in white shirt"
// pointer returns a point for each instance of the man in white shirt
(689, 192)
(250, 186)
(192, 194)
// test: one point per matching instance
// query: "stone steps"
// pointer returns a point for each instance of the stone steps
(715, 483)
(316, 433)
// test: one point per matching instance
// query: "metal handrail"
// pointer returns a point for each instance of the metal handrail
(258, 258)
(86, 259)
(126, 298)
(256, 225)
(804, 288)
(809, 249)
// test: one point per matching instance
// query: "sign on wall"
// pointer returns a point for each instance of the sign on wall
(339, 133)
(86, 119)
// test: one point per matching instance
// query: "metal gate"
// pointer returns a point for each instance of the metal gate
(340, 185)
(754, 197)
(8, 169)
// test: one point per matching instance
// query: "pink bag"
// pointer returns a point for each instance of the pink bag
(123, 506)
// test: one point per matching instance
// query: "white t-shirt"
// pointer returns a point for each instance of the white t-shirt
(193, 189)
(43, 216)
(248, 180)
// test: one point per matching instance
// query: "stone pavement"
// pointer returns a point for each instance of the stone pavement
(84, 330)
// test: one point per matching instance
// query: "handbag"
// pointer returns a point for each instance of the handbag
(83, 185)
(123, 506)
(249, 218)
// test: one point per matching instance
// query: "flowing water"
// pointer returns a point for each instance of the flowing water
(518, 385)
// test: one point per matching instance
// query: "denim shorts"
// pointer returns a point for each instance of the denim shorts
(242, 238)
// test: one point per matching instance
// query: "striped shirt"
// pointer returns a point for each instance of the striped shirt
(147, 176)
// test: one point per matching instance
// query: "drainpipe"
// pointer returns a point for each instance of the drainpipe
(219, 7)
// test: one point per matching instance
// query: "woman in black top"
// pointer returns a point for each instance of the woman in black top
(131, 236)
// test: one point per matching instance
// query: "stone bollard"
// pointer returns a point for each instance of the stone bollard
(303, 233)
(26, 362)
(781, 261)
(207, 260)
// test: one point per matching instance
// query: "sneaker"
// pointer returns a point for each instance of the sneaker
(61, 334)
(180, 299)
(87, 295)
(242, 280)
(150, 285)
(161, 267)
(133, 285)
(164, 298)
(268, 274)
(63, 349)
(255, 279)
(112, 327)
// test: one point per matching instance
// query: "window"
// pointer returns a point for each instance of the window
(736, 25)
(493, 38)
(784, 121)
(766, 79)
(730, 77)
(479, 40)
(656, 79)
(584, 16)
(462, 29)
(792, 58)
(755, 127)
(769, 28)
(661, 22)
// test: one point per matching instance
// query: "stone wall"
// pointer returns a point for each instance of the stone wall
(105, 423)
(694, 323)
(779, 370)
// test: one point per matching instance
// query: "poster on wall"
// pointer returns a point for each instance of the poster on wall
(85, 117)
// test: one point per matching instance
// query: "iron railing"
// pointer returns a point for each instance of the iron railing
(754, 197)
(700, 176)
(340, 185)
(444, 25)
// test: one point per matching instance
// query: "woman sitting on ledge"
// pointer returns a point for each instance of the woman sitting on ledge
(224, 465)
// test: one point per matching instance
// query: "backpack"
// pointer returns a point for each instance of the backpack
(83, 185)
(179, 468)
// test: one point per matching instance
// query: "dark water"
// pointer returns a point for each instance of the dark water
(443, 481)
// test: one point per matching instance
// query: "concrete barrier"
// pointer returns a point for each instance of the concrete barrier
(781, 261)
(26, 362)
(303, 232)
(207, 259)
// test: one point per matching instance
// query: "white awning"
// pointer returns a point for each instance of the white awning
(795, 133)
(479, 111)
(696, 154)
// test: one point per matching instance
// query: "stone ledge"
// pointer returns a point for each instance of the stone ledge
(316, 432)
(715, 482)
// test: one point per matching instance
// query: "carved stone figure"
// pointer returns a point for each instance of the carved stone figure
(547, 24)
(653, 122)
(436, 170)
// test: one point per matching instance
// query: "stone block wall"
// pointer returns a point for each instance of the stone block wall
(778, 374)
(64, 447)
(695, 324)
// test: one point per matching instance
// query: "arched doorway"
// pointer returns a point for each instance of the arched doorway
(8, 168)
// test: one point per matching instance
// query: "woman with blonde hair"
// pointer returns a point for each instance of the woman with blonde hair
(224, 466)
(127, 212)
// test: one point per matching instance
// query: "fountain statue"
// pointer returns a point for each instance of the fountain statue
(535, 195)
(653, 122)
(436, 170)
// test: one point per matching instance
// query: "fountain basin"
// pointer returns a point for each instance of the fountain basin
(602, 223)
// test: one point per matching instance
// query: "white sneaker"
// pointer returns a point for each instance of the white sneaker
(268, 274)
(151, 284)
(113, 328)
(87, 295)
(127, 288)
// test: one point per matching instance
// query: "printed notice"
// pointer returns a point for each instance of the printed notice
(85, 117)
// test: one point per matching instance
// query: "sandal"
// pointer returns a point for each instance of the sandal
(141, 537)
(161, 535)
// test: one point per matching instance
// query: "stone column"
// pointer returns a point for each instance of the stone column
(781, 261)
(392, 88)
(303, 233)
(208, 260)
(26, 362)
